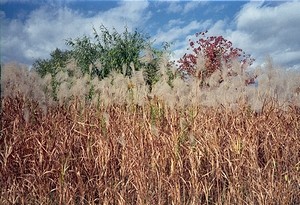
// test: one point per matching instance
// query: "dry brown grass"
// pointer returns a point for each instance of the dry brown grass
(148, 154)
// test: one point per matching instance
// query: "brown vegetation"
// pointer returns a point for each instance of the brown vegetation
(148, 155)
(115, 142)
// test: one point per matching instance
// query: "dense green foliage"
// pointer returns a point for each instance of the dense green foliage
(107, 51)
(58, 60)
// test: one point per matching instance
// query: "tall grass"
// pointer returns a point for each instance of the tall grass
(177, 144)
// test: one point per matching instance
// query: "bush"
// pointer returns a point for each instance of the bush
(114, 52)
(99, 56)
(106, 52)
(58, 60)
(216, 51)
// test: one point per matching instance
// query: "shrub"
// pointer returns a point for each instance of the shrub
(215, 50)
(115, 51)
(58, 60)
(106, 52)
(84, 53)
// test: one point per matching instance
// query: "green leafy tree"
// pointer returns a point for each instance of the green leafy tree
(151, 71)
(115, 51)
(84, 52)
(106, 51)
(58, 60)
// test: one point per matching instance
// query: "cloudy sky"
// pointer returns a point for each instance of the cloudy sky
(31, 29)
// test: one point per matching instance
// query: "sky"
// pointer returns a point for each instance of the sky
(32, 29)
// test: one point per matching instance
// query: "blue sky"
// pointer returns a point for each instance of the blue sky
(31, 29)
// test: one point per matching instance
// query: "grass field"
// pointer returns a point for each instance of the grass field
(151, 149)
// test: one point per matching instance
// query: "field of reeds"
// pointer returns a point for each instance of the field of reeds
(229, 144)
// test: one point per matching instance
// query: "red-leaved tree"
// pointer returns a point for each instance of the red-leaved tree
(215, 50)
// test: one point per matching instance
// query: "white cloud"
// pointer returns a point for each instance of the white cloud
(262, 30)
(258, 28)
(174, 7)
(179, 35)
(176, 32)
(43, 31)
(266, 30)
(218, 28)
(183, 7)
(47, 28)
(174, 22)
(192, 5)
(132, 14)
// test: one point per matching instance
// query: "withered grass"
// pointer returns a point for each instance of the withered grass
(148, 154)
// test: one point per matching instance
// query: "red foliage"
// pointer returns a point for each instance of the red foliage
(215, 50)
